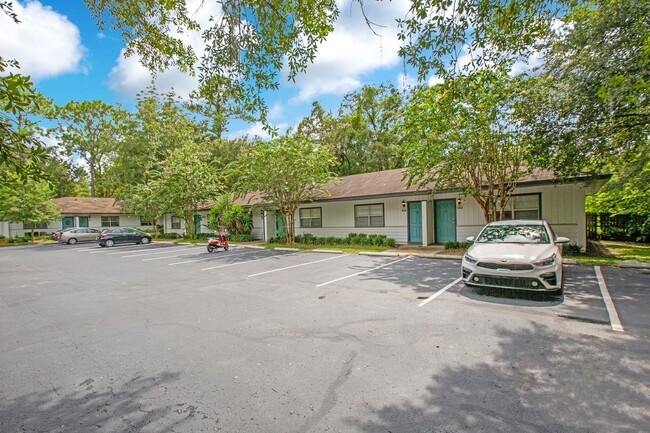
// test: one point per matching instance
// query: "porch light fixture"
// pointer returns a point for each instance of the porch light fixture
(403, 206)
(459, 201)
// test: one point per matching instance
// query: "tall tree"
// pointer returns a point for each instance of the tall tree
(29, 202)
(466, 134)
(285, 172)
(90, 130)
(146, 201)
(592, 110)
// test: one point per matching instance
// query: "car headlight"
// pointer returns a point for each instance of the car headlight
(470, 259)
(549, 261)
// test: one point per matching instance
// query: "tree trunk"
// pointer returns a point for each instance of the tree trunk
(189, 224)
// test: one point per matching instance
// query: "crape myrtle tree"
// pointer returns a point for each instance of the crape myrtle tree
(187, 180)
(465, 134)
(285, 172)
(28, 202)
(145, 200)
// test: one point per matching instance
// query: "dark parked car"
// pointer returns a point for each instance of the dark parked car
(122, 235)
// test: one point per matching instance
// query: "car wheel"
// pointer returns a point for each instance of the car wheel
(144, 240)
(72, 241)
(109, 242)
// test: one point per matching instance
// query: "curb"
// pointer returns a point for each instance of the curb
(327, 251)
(252, 247)
(634, 265)
(286, 249)
(372, 253)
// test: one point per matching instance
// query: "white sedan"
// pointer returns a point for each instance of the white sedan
(516, 254)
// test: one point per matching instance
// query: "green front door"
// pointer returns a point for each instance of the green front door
(279, 224)
(197, 224)
(68, 222)
(445, 221)
(415, 221)
(83, 221)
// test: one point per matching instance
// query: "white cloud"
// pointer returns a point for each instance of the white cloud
(276, 111)
(54, 42)
(257, 130)
(406, 82)
(353, 50)
(128, 76)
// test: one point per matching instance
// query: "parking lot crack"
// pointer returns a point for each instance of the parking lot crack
(331, 397)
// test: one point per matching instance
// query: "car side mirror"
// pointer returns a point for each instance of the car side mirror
(561, 240)
(471, 239)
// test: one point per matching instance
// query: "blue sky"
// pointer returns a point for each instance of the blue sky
(59, 46)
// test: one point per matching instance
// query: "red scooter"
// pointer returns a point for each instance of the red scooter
(219, 242)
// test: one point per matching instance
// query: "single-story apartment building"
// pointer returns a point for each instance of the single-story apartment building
(371, 203)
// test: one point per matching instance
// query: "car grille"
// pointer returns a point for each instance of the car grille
(509, 266)
(509, 282)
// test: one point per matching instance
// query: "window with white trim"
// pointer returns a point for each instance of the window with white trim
(311, 217)
(111, 221)
(369, 215)
(144, 221)
(176, 222)
(523, 207)
(29, 226)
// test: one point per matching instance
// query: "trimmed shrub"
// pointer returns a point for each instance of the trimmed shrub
(457, 245)
(169, 236)
(572, 249)
(240, 238)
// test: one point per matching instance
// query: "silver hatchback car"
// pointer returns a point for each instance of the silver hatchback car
(81, 234)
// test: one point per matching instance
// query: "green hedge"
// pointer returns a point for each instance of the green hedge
(457, 245)
(357, 239)
(572, 249)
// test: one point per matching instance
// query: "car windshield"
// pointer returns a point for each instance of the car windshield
(514, 234)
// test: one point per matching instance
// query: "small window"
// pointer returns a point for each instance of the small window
(311, 217)
(369, 215)
(110, 221)
(523, 207)
(29, 226)
(176, 222)
(144, 221)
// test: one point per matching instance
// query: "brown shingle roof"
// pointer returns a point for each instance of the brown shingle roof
(88, 205)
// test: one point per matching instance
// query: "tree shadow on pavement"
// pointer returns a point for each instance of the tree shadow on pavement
(537, 381)
(134, 407)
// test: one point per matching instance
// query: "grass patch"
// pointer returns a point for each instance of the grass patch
(611, 253)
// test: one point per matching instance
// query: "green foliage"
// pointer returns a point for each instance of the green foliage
(29, 202)
(467, 134)
(353, 239)
(186, 180)
(241, 238)
(145, 200)
(226, 215)
(572, 249)
(457, 245)
(89, 130)
(21, 150)
(247, 42)
(448, 38)
(285, 172)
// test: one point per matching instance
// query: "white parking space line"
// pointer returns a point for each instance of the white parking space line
(240, 263)
(362, 272)
(296, 266)
(108, 249)
(149, 253)
(209, 258)
(115, 253)
(174, 256)
(611, 309)
(440, 292)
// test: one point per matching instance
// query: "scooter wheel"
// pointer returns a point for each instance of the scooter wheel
(210, 249)
(225, 247)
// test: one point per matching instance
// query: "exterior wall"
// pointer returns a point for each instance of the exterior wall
(167, 223)
(563, 206)
(94, 221)
(338, 218)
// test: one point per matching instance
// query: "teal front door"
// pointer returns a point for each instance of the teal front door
(445, 211)
(415, 221)
(68, 222)
(83, 221)
(197, 224)
(280, 231)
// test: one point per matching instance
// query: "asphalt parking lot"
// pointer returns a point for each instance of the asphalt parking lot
(167, 338)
